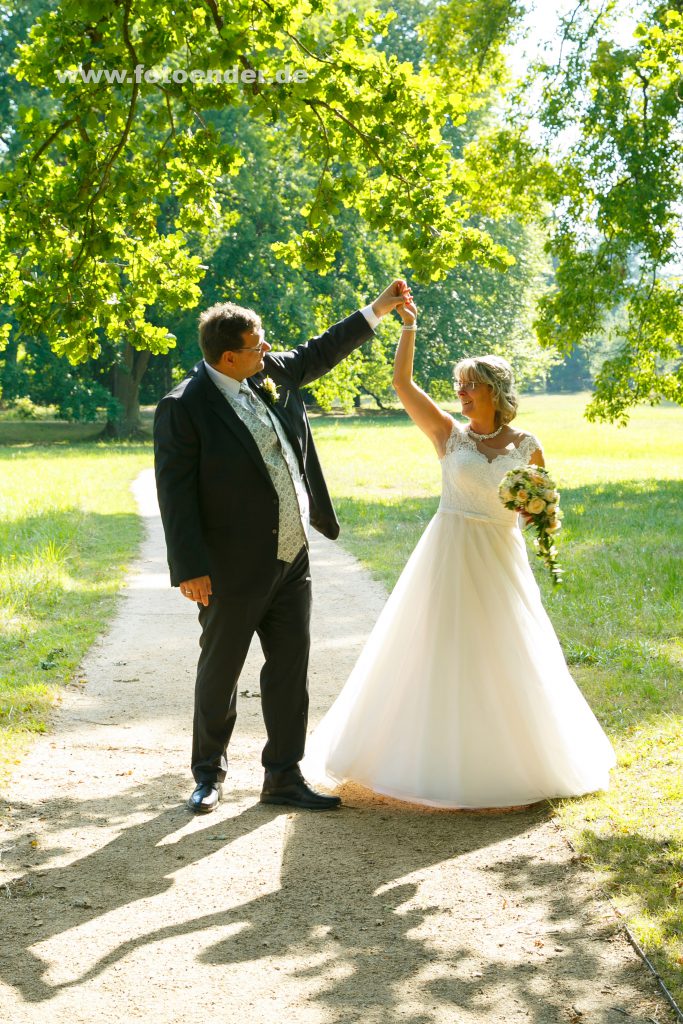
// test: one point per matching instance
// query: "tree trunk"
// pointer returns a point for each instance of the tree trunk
(127, 375)
(167, 376)
(9, 383)
(375, 397)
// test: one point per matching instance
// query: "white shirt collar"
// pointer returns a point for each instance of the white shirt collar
(227, 385)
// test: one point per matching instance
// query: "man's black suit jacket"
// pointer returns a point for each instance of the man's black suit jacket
(219, 507)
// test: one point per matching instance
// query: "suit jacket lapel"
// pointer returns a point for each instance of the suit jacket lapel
(221, 406)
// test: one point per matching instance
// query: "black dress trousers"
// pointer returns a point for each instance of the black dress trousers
(281, 616)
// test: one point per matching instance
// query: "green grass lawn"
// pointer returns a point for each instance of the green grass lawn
(68, 527)
(618, 616)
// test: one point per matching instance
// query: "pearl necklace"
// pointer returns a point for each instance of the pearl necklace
(485, 437)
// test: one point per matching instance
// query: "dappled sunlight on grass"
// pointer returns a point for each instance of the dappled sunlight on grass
(11, 622)
(633, 836)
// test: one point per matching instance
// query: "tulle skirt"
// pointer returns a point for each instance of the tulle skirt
(461, 696)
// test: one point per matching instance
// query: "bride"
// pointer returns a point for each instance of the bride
(461, 697)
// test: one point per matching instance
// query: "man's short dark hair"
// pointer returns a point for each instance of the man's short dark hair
(221, 327)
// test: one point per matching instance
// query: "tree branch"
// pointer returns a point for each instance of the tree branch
(566, 26)
(48, 142)
(367, 139)
(83, 133)
(131, 108)
(172, 133)
(328, 157)
(215, 14)
(111, 160)
(366, 390)
(170, 112)
(309, 53)
(645, 83)
(295, 39)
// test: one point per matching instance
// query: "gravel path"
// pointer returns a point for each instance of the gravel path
(117, 904)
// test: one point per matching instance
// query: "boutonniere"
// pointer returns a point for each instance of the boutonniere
(270, 390)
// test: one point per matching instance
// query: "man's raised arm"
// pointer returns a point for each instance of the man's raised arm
(316, 357)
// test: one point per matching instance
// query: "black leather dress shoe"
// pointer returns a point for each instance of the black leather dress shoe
(205, 797)
(295, 791)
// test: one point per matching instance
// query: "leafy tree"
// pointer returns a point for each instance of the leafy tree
(605, 177)
(15, 22)
(272, 185)
(475, 309)
(98, 210)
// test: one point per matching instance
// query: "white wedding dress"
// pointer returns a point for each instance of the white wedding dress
(461, 696)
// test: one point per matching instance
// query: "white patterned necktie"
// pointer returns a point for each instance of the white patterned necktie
(291, 533)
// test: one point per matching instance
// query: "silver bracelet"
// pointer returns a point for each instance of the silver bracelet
(409, 327)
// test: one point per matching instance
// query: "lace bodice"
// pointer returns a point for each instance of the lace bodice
(470, 478)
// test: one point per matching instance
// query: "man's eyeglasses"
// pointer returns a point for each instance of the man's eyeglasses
(259, 347)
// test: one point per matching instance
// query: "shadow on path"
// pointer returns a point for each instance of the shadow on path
(359, 915)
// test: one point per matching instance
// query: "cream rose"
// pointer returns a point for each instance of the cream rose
(522, 495)
(535, 506)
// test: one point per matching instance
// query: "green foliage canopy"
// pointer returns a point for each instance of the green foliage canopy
(606, 176)
(109, 186)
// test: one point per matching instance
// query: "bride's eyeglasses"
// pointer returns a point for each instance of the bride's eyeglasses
(466, 385)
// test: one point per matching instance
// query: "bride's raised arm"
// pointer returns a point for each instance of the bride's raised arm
(423, 411)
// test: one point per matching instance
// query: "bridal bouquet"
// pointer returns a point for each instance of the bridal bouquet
(532, 491)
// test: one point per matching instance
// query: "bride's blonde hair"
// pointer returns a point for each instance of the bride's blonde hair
(497, 373)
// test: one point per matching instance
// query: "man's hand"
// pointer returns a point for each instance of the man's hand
(198, 589)
(397, 292)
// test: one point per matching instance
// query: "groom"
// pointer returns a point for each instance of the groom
(239, 482)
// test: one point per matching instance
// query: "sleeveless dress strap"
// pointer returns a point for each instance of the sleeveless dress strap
(454, 438)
